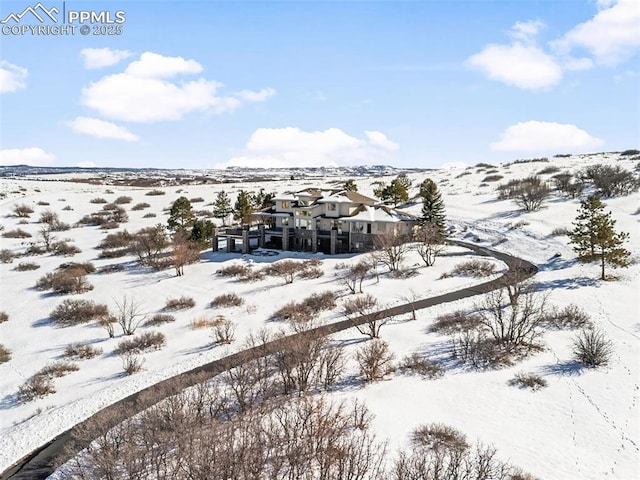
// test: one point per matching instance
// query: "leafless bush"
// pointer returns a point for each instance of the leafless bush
(592, 348)
(159, 319)
(196, 200)
(108, 322)
(293, 312)
(51, 219)
(16, 233)
(474, 268)
(75, 312)
(234, 270)
(81, 351)
(64, 248)
(7, 256)
(528, 380)
(568, 318)
(438, 436)
(149, 215)
(480, 351)
(354, 275)
(456, 322)
(318, 302)
(116, 240)
(184, 252)
(560, 231)
(365, 306)
(549, 170)
(391, 249)
(113, 268)
(492, 178)
(149, 244)
(142, 343)
(227, 300)
(22, 210)
(26, 266)
(34, 249)
(58, 369)
(422, 366)
(429, 242)
(122, 200)
(3, 317)
(86, 267)
(311, 273)
(205, 321)
(5, 354)
(181, 303)
(65, 282)
(155, 193)
(98, 200)
(223, 332)
(297, 363)
(285, 269)
(35, 387)
(611, 181)
(131, 363)
(128, 315)
(375, 360)
(140, 206)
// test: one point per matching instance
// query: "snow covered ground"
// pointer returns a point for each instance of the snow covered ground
(584, 424)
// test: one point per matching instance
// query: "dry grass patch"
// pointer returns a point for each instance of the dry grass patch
(456, 322)
(422, 366)
(528, 380)
(205, 321)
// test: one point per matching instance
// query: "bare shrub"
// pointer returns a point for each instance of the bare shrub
(429, 242)
(149, 215)
(113, 268)
(7, 256)
(549, 170)
(611, 181)
(149, 244)
(108, 322)
(181, 303)
(123, 200)
(159, 319)
(129, 315)
(560, 231)
(75, 312)
(354, 275)
(592, 348)
(116, 240)
(391, 249)
(58, 369)
(5, 354)
(131, 363)
(223, 332)
(294, 313)
(3, 317)
(528, 380)
(365, 306)
(318, 302)
(285, 269)
(227, 300)
(26, 266)
(98, 200)
(155, 193)
(568, 318)
(16, 233)
(35, 387)
(22, 210)
(51, 219)
(184, 252)
(34, 249)
(311, 273)
(374, 360)
(64, 248)
(475, 348)
(204, 321)
(234, 270)
(140, 206)
(141, 343)
(492, 178)
(65, 282)
(474, 268)
(81, 351)
(456, 322)
(196, 200)
(438, 436)
(86, 267)
(416, 363)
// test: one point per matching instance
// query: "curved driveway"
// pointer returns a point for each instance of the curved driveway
(40, 463)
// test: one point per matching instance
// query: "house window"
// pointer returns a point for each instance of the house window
(331, 207)
(381, 227)
(285, 221)
(358, 227)
(286, 204)
(304, 213)
(303, 223)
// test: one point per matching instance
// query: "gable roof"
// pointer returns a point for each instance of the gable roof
(379, 213)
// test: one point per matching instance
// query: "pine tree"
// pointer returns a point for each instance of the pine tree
(432, 205)
(180, 216)
(594, 236)
(242, 209)
(350, 185)
(222, 206)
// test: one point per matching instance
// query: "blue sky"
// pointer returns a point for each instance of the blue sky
(415, 84)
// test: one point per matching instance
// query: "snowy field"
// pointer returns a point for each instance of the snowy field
(583, 425)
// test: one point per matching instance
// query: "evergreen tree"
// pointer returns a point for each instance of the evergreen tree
(396, 192)
(432, 205)
(181, 215)
(262, 200)
(350, 185)
(242, 209)
(222, 206)
(594, 236)
(201, 232)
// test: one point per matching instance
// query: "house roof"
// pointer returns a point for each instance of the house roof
(347, 196)
(379, 213)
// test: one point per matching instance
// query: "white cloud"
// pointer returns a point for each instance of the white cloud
(101, 129)
(573, 64)
(142, 93)
(534, 136)
(102, 57)
(526, 31)
(12, 77)
(33, 156)
(290, 146)
(259, 96)
(523, 66)
(380, 139)
(611, 36)
(153, 65)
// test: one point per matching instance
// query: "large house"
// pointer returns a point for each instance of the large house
(329, 221)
